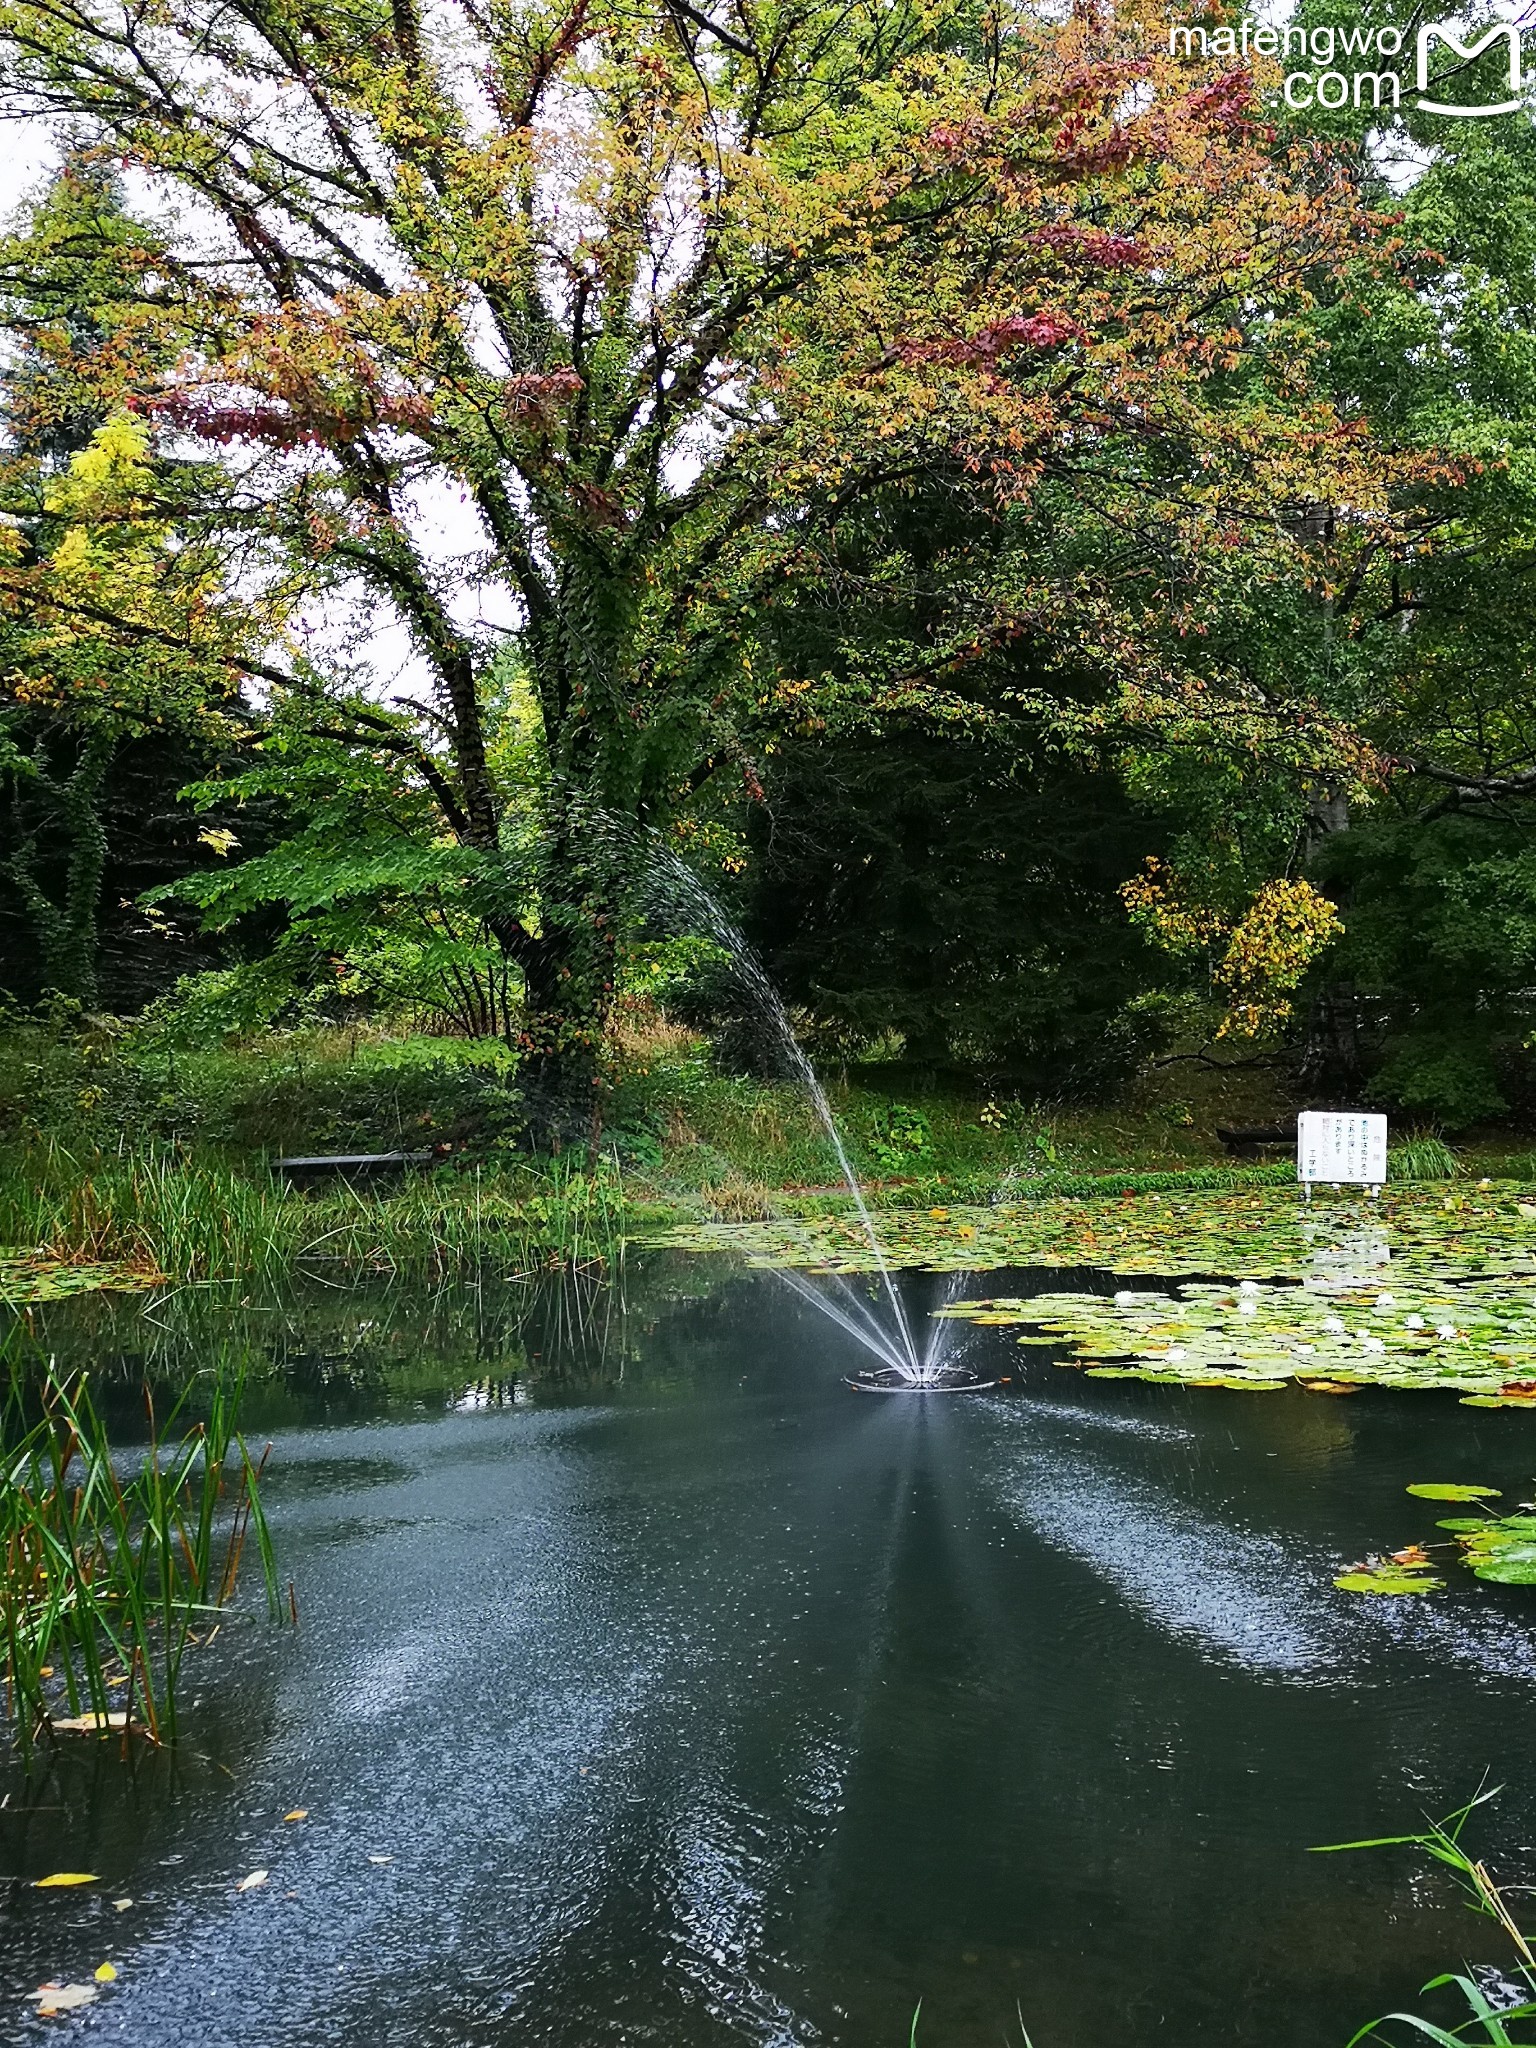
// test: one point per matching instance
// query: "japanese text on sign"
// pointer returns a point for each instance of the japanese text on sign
(1339, 1147)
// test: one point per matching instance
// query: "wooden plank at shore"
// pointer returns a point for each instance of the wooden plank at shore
(350, 1162)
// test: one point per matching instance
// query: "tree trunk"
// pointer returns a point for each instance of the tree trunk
(568, 980)
(1331, 1063)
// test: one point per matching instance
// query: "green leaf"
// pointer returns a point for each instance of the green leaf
(1390, 1580)
(1433, 1490)
(1507, 1568)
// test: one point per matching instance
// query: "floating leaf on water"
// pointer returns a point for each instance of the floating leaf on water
(1427, 1489)
(298, 1813)
(64, 1877)
(26, 1278)
(1387, 1584)
(90, 1724)
(1305, 1296)
(105, 1974)
(56, 1998)
(252, 1883)
(1506, 1568)
(1390, 1580)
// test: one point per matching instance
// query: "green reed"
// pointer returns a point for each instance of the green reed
(110, 1562)
(1489, 2024)
(1422, 1156)
(198, 1218)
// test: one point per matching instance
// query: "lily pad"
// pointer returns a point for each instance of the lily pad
(1261, 1233)
(1391, 1580)
(1501, 1548)
(27, 1277)
(1435, 1490)
(1305, 1299)
(1507, 1566)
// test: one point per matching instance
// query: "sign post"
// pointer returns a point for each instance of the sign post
(1342, 1148)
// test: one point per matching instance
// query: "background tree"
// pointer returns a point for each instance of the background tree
(661, 296)
(1423, 649)
(116, 677)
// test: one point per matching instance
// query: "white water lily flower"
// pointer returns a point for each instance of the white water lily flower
(1248, 1287)
(1304, 1350)
(1386, 1301)
(1413, 1322)
(1445, 1329)
(1124, 1298)
(1373, 1344)
(1334, 1327)
(1176, 1354)
(1247, 1308)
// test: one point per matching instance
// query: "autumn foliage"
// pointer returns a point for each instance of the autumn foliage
(654, 299)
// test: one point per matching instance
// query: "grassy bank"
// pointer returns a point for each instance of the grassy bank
(118, 1147)
(193, 1215)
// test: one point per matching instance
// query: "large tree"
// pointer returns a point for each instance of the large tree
(658, 294)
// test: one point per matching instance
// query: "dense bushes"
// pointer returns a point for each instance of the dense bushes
(950, 893)
(1438, 961)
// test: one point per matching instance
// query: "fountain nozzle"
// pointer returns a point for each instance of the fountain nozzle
(943, 1379)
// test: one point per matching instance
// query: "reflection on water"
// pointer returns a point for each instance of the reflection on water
(651, 1687)
(1241, 1595)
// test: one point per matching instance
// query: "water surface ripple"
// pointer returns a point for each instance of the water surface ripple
(667, 1692)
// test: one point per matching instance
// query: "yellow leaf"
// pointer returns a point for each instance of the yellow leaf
(65, 1877)
(105, 1974)
(298, 1813)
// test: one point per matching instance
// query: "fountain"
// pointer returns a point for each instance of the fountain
(902, 1367)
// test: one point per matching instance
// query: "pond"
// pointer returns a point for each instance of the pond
(651, 1686)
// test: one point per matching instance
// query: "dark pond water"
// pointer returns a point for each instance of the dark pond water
(694, 1699)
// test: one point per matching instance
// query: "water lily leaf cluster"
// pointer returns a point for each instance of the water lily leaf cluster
(1414, 1290)
(26, 1278)
(1497, 1547)
(1404, 1572)
(1478, 1339)
(1258, 1233)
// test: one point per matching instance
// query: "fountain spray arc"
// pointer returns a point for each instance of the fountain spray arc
(902, 1367)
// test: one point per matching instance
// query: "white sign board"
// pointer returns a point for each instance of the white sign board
(1341, 1147)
